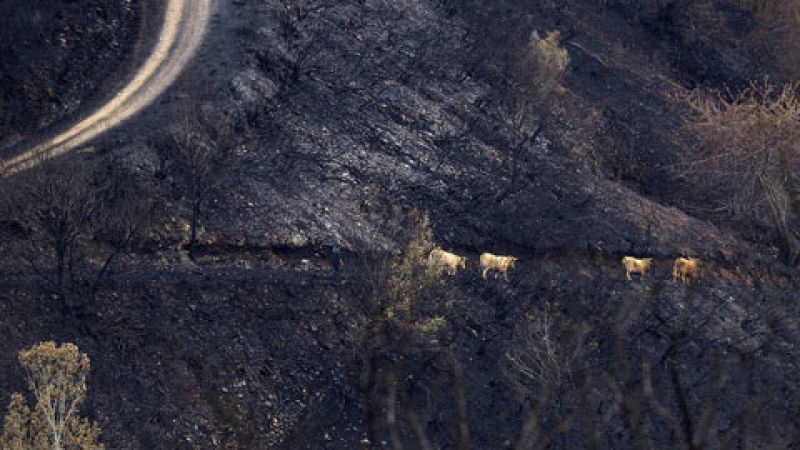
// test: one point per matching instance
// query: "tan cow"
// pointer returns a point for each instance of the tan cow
(448, 260)
(635, 265)
(498, 263)
(685, 269)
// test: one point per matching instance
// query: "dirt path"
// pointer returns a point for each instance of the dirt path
(311, 267)
(185, 25)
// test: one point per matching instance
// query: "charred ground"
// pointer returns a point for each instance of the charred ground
(348, 114)
(57, 56)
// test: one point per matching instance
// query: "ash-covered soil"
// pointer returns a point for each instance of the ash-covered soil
(57, 55)
(357, 109)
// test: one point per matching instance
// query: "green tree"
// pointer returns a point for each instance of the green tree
(403, 300)
(57, 378)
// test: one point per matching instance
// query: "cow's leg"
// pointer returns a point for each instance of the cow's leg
(485, 270)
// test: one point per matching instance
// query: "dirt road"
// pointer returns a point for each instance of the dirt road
(185, 25)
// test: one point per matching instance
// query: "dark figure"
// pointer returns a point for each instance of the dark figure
(336, 258)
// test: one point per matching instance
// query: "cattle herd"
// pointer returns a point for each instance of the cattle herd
(451, 262)
(684, 269)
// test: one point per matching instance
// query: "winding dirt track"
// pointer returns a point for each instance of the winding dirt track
(185, 24)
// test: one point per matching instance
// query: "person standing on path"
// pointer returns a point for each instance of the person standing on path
(336, 258)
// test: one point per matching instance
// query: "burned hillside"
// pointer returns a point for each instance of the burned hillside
(188, 253)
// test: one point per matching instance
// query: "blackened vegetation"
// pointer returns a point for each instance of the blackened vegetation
(50, 52)
(540, 130)
(200, 154)
(747, 156)
(64, 210)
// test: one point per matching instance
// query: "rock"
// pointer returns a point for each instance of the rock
(253, 89)
(140, 159)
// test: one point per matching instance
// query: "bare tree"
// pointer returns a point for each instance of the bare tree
(546, 349)
(72, 213)
(531, 86)
(542, 357)
(202, 154)
(74, 221)
(534, 76)
(661, 381)
(747, 155)
(125, 214)
(57, 203)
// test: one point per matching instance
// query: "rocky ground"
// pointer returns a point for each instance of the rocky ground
(355, 109)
